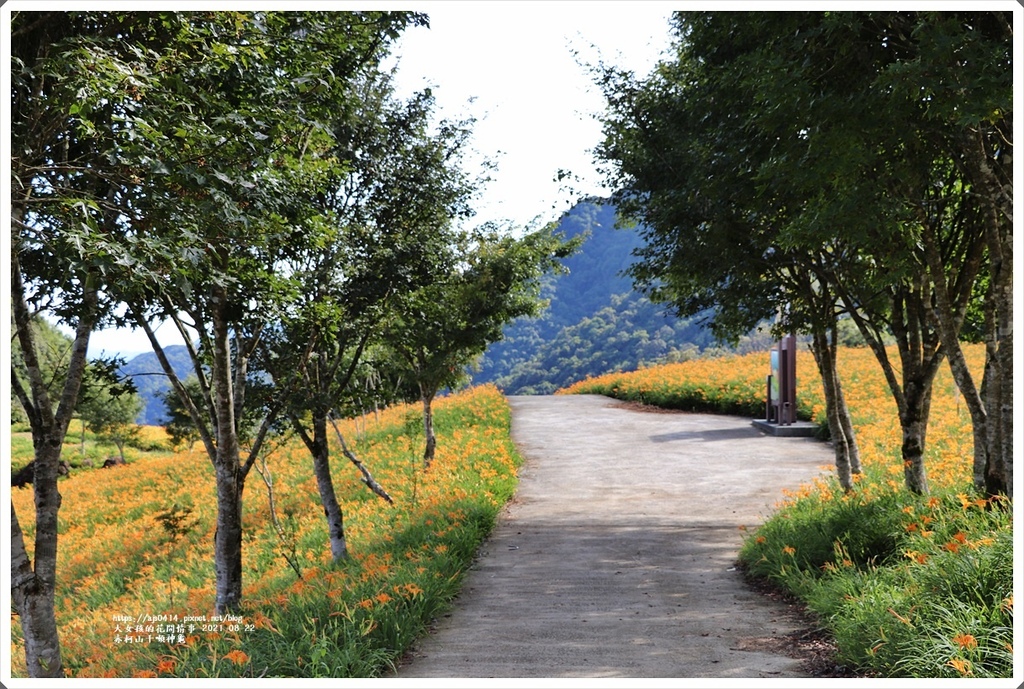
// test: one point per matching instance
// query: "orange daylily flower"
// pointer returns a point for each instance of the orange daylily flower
(965, 641)
(237, 657)
(166, 666)
(960, 665)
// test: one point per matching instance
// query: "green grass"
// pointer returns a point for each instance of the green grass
(909, 586)
(356, 632)
(91, 453)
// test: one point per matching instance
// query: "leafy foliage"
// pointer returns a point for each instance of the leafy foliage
(492, 278)
(177, 420)
(802, 165)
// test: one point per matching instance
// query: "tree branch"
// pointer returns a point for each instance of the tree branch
(367, 476)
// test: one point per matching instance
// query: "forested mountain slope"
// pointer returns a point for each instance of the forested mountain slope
(596, 322)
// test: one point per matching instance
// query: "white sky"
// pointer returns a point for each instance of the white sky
(510, 65)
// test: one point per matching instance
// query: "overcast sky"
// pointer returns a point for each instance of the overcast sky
(514, 67)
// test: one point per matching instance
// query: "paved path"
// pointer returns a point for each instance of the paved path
(616, 557)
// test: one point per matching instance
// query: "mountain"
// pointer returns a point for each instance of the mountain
(151, 382)
(596, 322)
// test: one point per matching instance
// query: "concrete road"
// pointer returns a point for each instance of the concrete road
(617, 556)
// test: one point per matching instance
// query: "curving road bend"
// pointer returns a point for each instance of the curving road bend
(617, 556)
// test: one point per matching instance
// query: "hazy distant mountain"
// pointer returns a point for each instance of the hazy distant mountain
(596, 322)
(151, 382)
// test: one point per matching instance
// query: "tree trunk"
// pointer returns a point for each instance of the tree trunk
(914, 423)
(32, 600)
(842, 411)
(428, 426)
(227, 543)
(914, 327)
(846, 423)
(951, 302)
(320, 449)
(825, 357)
(973, 398)
(228, 540)
(999, 347)
(998, 469)
(989, 166)
(1001, 447)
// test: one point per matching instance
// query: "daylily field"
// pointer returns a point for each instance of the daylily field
(908, 585)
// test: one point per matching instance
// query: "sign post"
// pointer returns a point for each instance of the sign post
(780, 407)
(781, 387)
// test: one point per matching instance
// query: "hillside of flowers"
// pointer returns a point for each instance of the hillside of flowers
(135, 593)
(908, 585)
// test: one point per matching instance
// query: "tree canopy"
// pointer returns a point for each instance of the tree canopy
(801, 165)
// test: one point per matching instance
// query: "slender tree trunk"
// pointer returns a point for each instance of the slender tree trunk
(952, 297)
(228, 539)
(846, 423)
(976, 407)
(921, 354)
(999, 347)
(820, 292)
(825, 357)
(320, 449)
(842, 411)
(987, 162)
(428, 426)
(998, 432)
(1002, 445)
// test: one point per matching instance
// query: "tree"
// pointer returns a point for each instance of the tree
(804, 131)
(112, 417)
(50, 272)
(439, 329)
(387, 214)
(686, 153)
(185, 174)
(33, 583)
(236, 204)
(180, 426)
(958, 83)
(921, 89)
